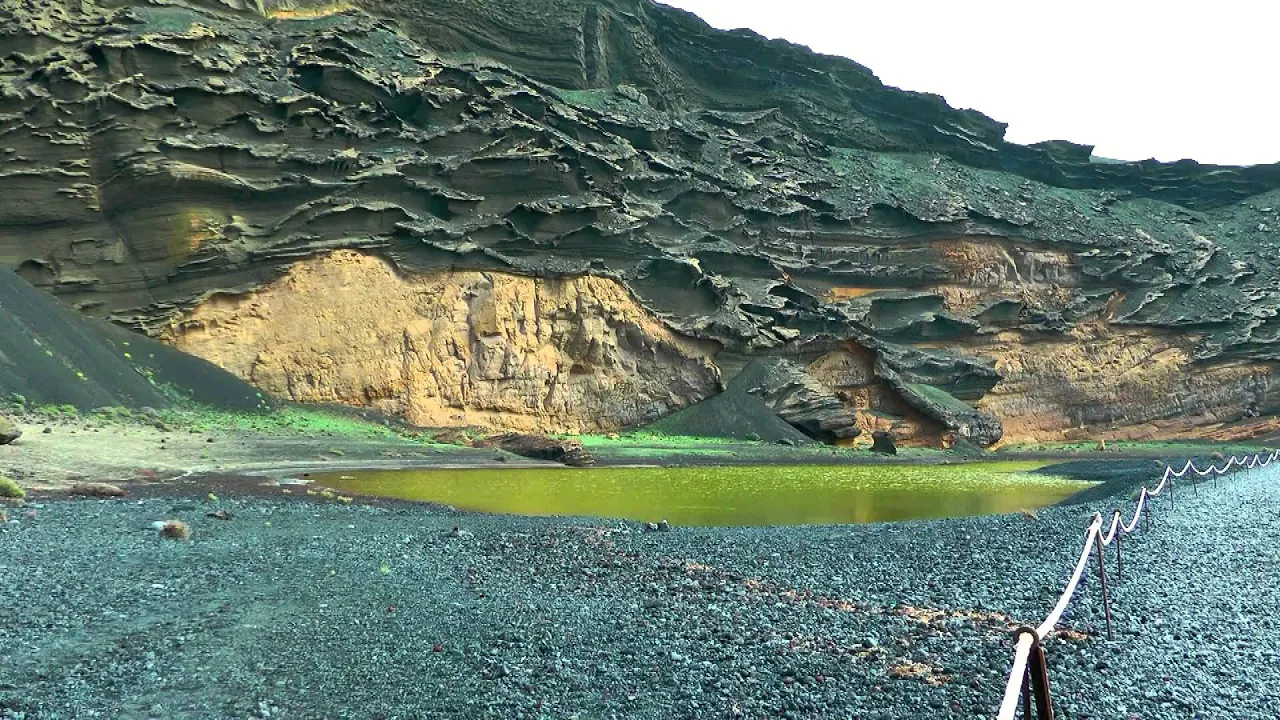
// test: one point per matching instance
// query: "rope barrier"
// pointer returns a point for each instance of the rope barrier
(1029, 674)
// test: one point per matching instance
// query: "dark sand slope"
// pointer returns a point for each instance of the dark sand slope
(52, 355)
(731, 414)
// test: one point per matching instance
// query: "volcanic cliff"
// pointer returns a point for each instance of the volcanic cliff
(582, 215)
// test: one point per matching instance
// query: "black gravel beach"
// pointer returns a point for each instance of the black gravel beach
(303, 607)
(635, 359)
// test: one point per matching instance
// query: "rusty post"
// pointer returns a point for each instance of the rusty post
(1026, 692)
(1031, 686)
(1119, 559)
(1170, 493)
(1102, 576)
(1146, 517)
(1039, 669)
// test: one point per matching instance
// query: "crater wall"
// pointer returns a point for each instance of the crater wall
(733, 196)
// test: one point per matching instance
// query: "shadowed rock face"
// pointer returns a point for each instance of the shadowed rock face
(799, 398)
(747, 197)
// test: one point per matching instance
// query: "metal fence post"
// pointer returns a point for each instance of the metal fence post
(1026, 693)
(1102, 576)
(1039, 669)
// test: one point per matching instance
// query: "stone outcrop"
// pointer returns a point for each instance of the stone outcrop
(882, 442)
(165, 164)
(734, 413)
(541, 447)
(850, 370)
(799, 398)
(9, 432)
(453, 348)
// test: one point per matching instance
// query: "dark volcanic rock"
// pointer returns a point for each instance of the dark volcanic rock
(731, 414)
(798, 398)
(8, 431)
(749, 193)
(541, 447)
(935, 402)
(882, 442)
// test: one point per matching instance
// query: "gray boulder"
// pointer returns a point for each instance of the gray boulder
(882, 442)
(8, 431)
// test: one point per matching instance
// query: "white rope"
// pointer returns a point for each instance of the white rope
(1115, 526)
(1137, 512)
(1013, 688)
(1047, 626)
(1117, 521)
(1022, 651)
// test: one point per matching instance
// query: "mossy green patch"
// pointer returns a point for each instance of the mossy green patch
(289, 420)
(10, 489)
(594, 99)
(940, 398)
(650, 440)
(56, 412)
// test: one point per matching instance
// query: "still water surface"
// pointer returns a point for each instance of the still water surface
(751, 495)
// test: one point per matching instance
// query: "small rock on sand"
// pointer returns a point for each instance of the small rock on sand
(173, 529)
(93, 489)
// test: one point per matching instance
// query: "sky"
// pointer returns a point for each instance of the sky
(1137, 79)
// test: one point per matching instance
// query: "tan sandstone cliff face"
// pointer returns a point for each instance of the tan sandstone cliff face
(1096, 381)
(454, 348)
(1102, 381)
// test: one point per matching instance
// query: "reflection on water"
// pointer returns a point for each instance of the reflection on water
(754, 495)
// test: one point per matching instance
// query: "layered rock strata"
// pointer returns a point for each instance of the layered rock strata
(746, 198)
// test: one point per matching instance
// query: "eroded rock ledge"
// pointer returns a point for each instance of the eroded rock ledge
(749, 195)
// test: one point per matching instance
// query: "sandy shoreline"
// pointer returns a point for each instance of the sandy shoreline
(55, 453)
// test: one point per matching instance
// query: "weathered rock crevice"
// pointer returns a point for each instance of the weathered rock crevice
(799, 399)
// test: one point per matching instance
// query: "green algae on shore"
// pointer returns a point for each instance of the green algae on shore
(746, 495)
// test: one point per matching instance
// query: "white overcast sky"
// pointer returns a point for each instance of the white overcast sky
(1138, 79)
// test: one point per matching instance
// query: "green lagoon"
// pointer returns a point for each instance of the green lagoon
(750, 495)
